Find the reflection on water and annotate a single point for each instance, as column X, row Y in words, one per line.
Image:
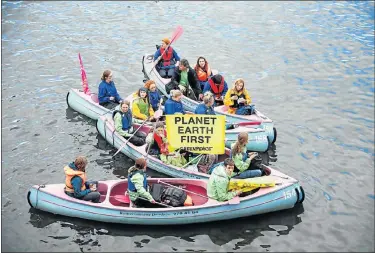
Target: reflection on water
column 88, row 234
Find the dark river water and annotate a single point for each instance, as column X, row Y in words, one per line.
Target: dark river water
column 309, row 66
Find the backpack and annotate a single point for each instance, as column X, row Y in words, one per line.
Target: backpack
column 173, row 196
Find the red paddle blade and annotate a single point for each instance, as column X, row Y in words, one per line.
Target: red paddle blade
column 85, row 84
column 249, row 123
column 177, row 33
column 122, row 198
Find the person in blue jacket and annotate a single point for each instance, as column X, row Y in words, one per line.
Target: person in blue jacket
column 207, row 106
column 108, row 95
column 153, row 94
column 166, row 61
column 76, row 185
column 173, row 105
column 217, row 86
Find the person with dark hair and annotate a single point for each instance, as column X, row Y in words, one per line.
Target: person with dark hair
column 185, row 79
column 203, row 71
column 217, row 186
column 108, row 95
column 141, row 108
column 165, row 59
column 76, row 185
column 241, row 159
column 123, row 120
column 217, row 86
column 137, row 185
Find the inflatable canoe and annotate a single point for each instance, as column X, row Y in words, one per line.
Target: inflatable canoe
column 114, row 208
column 190, row 105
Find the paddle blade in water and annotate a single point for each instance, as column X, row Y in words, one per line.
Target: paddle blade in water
column 85, row 84
column 177, row 34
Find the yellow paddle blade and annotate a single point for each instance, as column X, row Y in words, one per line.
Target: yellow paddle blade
column 249, row 184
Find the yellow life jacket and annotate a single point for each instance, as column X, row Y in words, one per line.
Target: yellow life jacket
column 69, row 174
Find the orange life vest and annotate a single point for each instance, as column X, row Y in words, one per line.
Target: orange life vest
column 202, row 74
column 167, row 57
column 69, row 174
column 162, row 146
column 215, row 89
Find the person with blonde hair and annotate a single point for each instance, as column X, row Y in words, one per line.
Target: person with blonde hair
column 174, row 105
column 76, row 185
column 242, row 159
column 108, row 95
column 206, row 107
column 237, row 97
column 165, row 59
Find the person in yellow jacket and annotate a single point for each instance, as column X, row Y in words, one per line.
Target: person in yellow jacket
column 141, row 107
column 76, row 185
column 237, row 96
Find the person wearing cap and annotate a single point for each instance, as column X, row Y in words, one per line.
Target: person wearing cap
column 141, row 108
column 174, row 105
column 218, row 86
column 237, row 97
column 76, row 185
column 185, row 79
column 206, row 107
column 166, row 58
column 137, row 185
column 108, row 95
column 153, row 94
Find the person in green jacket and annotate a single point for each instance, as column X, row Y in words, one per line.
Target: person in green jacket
column 241, row 159
column 217, row 186
column 137, row 185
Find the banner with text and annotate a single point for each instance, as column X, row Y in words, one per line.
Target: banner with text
column 204, row 134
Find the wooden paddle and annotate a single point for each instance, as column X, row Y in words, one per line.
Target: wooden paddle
column 177, row 34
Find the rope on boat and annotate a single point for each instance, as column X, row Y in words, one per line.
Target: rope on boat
column 37, row 194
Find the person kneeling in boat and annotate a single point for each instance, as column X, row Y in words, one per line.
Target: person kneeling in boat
column 241, row 159
column 203, row 71
column 76, row 185
column 173, row 105
column 168, row 59
column 238, row 99
column 141, row 108
column 158, row 145
column 185, row 79
column 108, row 95
column 137, row 185
column 124, row 125
column 217, row 86
column 218, row 183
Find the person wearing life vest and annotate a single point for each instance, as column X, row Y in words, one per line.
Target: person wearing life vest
column 218, row 183
column 137, row 185
column 203, row 71
column 76, row 185
column 185, row 79
column 217, row 86
column 174, row 105
column 241, row 159
column 237, row 97
column 108, row 95
column 141, row 108
column 153, row 94
column 167, row 61
column 159, row 146
column 124, row 125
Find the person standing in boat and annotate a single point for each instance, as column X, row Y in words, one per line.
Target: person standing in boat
column 141, row 108
column 217, row 86
column 165, row 59
column 108, row 95
column 185, row 79
column 124, row 124
column 242, row 160
column 153, row 94
column 203, row 71
column 137, row 185
column 237, row 97
column 173, row 105
column 158, row 142
column 76, row 185
column 218, row 183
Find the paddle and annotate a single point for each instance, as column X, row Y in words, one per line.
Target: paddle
column 123, row 145
column 126, row 200
column 153, row 130
column 176, row 34
column 85, row 83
